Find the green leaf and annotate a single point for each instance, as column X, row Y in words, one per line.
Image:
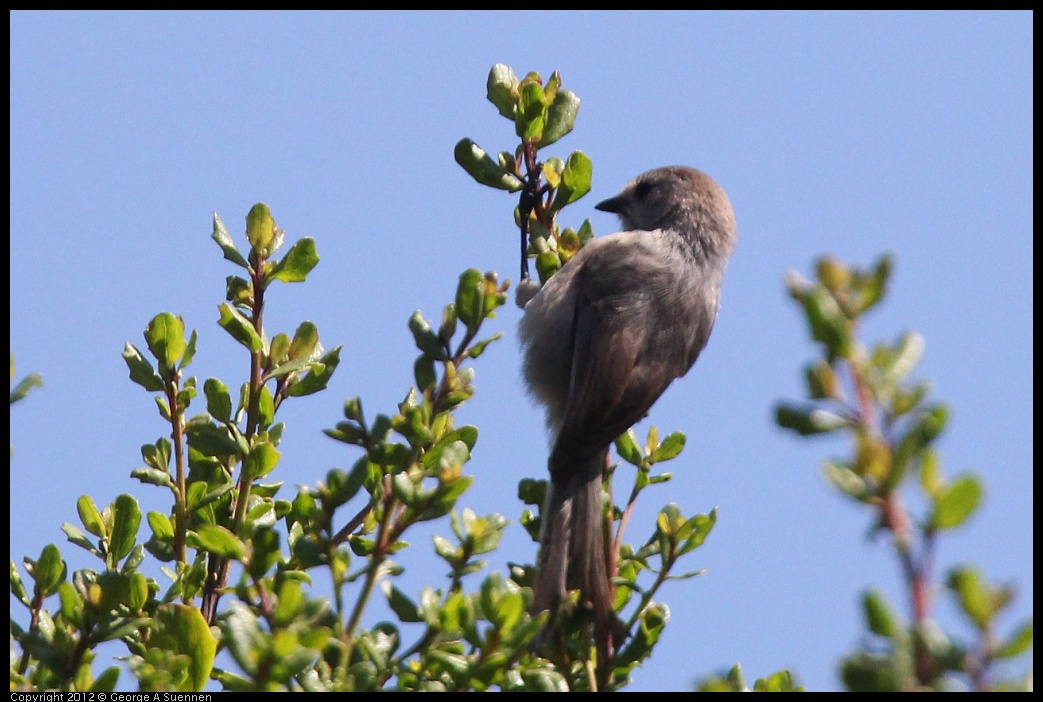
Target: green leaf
column 211, row 439
column 848, row 481
column 411, row 424
column 575, row 180
column 407, row 491
column 973, row 594
column 362, row 546
column 106, row 682
column 732, row 681
column 544, row 680
column 217, row 540
column 875, row 287
column 223, row 240
column 190, row 351
column 806, row 419
column 75, row 536
column 908, row 398
column 182, row 629
column 425, row 338
column 908, row 352
column 348, row 432
column 829, row 325
column 239, row 291
column 424, row 373
column 305, row 341
column 17, row 587
column 470, row 298
column 165, row 336
column 137, row 555
column 186, row 394
column 552, row 168
column 353, row 408
column 71, row 608
column 199, row 496
column 695, row 531
column 344, row 486
column 318, row 376
column 640, row 646
column 163, row 406
column 467, row 434
column 443, row 547
column 628, row 449
column 547, row 264
column 480, row 166
column 261, row 461
column 670, row 448
column 478, row 348
column 832, row 273
column 931, row 472
column 1017, row 643
column 90, row 516
column 126, row 516
column 244, row 638
column 289, row 367
column 279, row 349
column 530, row 118
column 152, row 476
column 260, row 227
column 447, row 496
column 929, row 425
column 955, row 502
column 670, row 520
column 160, row 524
column 48, row 571
column 405, row 608
column 561, row 117
column 531, row 491
column 781, row 681
column 239, row 327
column 552, row 86
column 493, row 295
column 141, row 371
column 508, row 611
column 569, row 243
column 448, row 328
column 297, row 263
column 290, row 600
column 822, row 381
column 25, row 385
column 453, row 456
column 880, row 618
column 501, row 89
column 218, row 401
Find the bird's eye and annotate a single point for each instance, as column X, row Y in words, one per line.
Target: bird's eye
column 642, row 190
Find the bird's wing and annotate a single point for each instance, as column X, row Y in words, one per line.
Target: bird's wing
column 618, row 371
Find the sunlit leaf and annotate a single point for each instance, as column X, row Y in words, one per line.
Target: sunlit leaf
column 226, row 243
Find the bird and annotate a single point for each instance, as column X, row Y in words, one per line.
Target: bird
column 602, row 340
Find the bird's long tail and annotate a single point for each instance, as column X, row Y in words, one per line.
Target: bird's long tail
column 574, row 555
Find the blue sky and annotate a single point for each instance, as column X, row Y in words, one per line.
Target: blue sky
column 849, row 133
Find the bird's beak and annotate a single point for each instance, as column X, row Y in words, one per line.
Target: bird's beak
column 613, row 204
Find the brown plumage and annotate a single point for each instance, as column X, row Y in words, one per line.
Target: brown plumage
column 602, row 340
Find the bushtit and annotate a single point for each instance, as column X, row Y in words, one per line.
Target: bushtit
column 602, row 340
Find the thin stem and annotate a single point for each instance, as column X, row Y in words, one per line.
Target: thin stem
column 916, row 570
column 527, row 201
column 342, row 535
column 377, row 559
column 181, row 499
column 34, row 619
column 624, row 519
column 218, row 572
